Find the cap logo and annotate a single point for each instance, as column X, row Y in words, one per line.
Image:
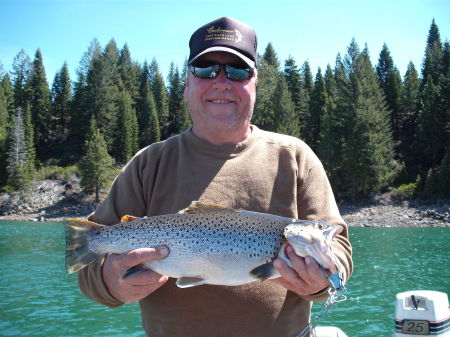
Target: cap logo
column 223, row 34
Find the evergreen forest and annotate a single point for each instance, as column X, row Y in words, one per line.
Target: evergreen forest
column 372, row 128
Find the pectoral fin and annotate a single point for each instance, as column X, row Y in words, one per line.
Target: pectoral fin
column 186, row 282
column 133, row 271
column 263, row 272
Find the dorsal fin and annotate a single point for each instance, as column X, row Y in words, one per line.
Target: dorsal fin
column 127, row 218
column 197, row 207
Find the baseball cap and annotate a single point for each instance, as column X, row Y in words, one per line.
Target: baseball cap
column 227, row 35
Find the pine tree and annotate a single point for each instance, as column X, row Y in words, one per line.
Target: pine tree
column 96, row 166
column 8, row 93
column 4, row 114
column 370, row 144
column 174, row 91
column 61, row 100
column 286, row 121
column 184, row 72
column 153, row 133
column 330, row 145
column 429, row 144
column 306, row 79
column 29, row 139
column 102, row 91
column 148, row 123
column 149, row 131
column 353, row 52
column 410, row 101
column 178, row 113
column 432, row 138
column 293, row 79
column 270, row 56
column 160, row 95
column 126, row 139
column 438, row 180
column 317, row 112
column 433, row 55
column 20, row 76
column 4, row 128
column 79, row 112
column 40, row 100
column 391, row 83
column 368, row 156
column 128, row 72
column 264, row 115
column 19, row 177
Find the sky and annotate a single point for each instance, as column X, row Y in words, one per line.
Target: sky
column 308, row 30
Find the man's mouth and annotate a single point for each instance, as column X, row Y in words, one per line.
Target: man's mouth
column 220, row 101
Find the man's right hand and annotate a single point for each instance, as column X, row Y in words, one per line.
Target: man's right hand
column 138, row 286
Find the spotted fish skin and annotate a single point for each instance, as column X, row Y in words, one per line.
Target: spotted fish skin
column 208, row 244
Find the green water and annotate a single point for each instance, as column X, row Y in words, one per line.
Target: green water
column 38, row 298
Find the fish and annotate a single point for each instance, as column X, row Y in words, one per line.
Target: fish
column 208, row 243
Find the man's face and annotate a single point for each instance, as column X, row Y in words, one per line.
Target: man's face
column 220, row 106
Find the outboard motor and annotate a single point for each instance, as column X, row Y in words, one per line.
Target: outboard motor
column 422, row 313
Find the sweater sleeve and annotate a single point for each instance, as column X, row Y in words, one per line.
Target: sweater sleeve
column 316, row 202
column 124, row 198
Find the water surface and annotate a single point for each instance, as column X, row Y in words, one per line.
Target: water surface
column 38, row 298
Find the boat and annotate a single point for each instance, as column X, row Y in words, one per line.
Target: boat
column 417, row 313
column 422, row 313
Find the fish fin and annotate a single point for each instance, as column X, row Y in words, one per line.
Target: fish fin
column 133, row 271
column 127, row 218
column 78, row 254
column 263, row 272
column 197, row 207
column 186, row 282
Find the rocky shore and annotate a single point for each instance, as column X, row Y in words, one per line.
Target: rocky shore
column 48, row 200
column 56, row 200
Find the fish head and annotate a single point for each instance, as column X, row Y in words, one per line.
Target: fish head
column 314, row 240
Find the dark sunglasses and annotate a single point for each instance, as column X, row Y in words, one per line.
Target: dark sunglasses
column 232, row 72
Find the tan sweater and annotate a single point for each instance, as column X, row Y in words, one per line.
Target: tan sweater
column 268, row 173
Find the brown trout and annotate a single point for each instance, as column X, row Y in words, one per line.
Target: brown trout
column 208, row 244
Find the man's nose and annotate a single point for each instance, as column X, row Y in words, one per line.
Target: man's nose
column 221, row 81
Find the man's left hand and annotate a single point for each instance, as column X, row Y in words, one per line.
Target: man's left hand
column 304, row 278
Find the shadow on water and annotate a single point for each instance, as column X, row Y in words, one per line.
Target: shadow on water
column 38, row 297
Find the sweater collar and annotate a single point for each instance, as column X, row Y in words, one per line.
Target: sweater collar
column 222, row 151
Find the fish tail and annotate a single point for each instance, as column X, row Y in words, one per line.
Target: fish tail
column 78, row 254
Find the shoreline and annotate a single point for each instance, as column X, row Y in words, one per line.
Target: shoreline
column 368, row 215
column 58, row 200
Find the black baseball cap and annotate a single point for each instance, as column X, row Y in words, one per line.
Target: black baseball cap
column 227, row 35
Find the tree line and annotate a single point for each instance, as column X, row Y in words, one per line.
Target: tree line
column 370, row 127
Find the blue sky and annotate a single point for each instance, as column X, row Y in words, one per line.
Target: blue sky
column 313, row 30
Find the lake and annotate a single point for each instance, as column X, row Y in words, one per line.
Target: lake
column 38, row 297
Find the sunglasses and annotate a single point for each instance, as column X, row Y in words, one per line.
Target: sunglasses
column 232, row 72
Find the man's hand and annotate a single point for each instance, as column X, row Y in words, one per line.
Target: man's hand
column 304, row 278
column 138, row 286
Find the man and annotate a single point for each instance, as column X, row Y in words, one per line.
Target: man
column 225, row 160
